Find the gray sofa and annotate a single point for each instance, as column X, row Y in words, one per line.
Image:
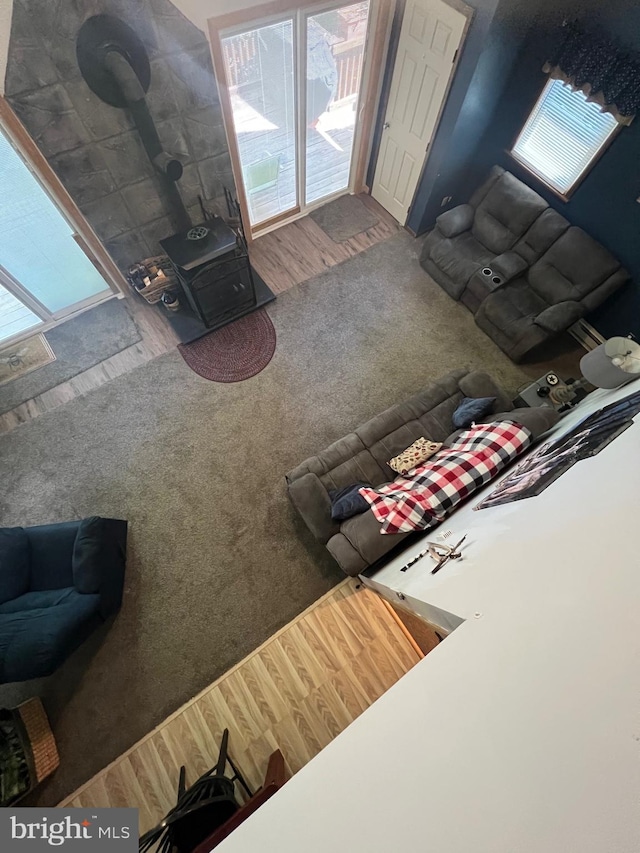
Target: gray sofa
column 362, row 456
column 520, row 267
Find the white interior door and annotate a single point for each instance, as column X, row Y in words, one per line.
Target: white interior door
column 430, row 37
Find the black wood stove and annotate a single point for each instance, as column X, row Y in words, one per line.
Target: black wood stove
column 213, row 268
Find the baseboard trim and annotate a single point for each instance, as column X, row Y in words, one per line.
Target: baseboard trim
column 586, row 335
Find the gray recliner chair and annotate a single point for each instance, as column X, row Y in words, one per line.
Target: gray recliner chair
column 572, row 278
column 470, row 236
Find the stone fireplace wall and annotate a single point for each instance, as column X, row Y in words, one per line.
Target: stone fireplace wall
column 93, row 147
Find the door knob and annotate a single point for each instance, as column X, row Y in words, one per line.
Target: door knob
column 386, row 125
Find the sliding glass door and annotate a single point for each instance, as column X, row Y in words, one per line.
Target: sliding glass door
column 260, row 66
column 294, row 86
column 44, row 272
column 15, row 317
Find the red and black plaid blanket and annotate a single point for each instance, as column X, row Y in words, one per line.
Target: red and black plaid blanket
column 420, row 499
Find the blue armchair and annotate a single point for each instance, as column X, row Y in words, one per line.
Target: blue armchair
column 58, row 583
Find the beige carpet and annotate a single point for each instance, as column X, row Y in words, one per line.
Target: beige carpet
column 217, row 559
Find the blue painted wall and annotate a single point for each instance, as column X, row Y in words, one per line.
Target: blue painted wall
column 497, row 33
column 605, row 202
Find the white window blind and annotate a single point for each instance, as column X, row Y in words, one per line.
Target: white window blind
column 562, row 136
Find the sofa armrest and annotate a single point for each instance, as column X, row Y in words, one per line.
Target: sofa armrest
column 456, row 220
column 312, row 501
column 594, row 299
column 537, row 419
column 559, row 317
column 480, row 384
column 508, row 265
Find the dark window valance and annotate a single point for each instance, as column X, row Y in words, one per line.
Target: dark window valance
column 600, row 68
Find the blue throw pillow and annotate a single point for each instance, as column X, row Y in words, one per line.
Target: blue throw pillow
column 347, row 502
column 14, row 563
column 471, row 409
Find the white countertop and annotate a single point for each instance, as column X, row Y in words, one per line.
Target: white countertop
column 520, row 733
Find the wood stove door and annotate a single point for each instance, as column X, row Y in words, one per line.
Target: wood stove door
column 222, row 290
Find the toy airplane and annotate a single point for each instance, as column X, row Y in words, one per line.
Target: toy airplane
column 438, row 552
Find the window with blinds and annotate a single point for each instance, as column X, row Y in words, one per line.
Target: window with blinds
column 562, row 136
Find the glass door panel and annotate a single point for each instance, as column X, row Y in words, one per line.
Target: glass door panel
column 36, row 242
column 334, row 59
column 259, row 64
column 15, row 317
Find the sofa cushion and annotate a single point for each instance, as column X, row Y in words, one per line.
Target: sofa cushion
column 51, row 550
column 14, row 563
column 414, row 455
column 513, row 303
column 38, row 600
column 573, row 266
column 33, row 643
column 506, row 212
column 459, row 257
column 347, row 502
column 471, row 409
column 363, row 532
column 544, row 231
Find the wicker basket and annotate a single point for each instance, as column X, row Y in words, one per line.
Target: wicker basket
column 167, row 281
column 41, row 741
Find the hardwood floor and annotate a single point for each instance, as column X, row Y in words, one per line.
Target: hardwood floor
column 284, row 258
column 296, row 693
column 301, row 250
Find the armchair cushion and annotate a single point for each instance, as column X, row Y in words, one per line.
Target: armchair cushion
column 557, row 318
column 51, row 547
column 33, row 643
column 37, row 600
column 14, row 563
column 455, row 221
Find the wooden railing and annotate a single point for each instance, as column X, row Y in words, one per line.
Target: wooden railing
column 240, row 53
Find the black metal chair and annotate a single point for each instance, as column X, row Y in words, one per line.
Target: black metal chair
column 206, row 805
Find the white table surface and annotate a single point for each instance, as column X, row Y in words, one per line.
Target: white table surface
column 520, row 733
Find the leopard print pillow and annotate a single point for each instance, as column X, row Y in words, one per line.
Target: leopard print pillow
column 421, row 450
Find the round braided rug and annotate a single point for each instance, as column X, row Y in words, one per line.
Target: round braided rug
column 235, row 352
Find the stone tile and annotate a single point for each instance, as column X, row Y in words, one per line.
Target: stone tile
column 175, row 31
column 127, row 249
column 215, row 175
column 194, row 83
column 137, row 15
column 28, row 63
column 51, row 120
column 126, row 158
column 205, row 132
column 84, row 173
column 145, row 200
column 190, row 186
column 108, row 216
column 60, row 36
column 100, row 119
column 174, row 139
column 42, row 14
column 160, row 97
column 156, row 231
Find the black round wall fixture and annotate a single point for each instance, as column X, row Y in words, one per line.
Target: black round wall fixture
column 96, row 38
